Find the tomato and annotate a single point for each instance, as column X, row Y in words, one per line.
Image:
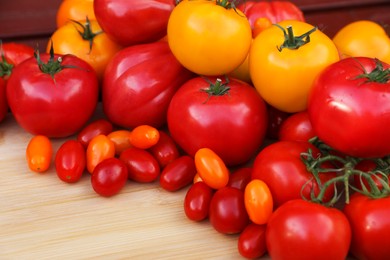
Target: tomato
column 297, row 127
column 211, row 168
column 301, row 229
column 39, row 152
column 280, row 166
column 227, row 211
column 363, row 38
column 70, row 161
column 251, row 242
column 165, row 150
column 370, row 226
column 109, row 177
column 141, row 21
column 275, row 120
column 228, row 117
column 178, row 174
column 86, row 40
column 75, row 10
column 121, row 140
column 52, row 95
column 240, row 178
column 209, row 37
column 258, row 201
column 197, row 201
column 139, row 83
column 92, row 129
column 283, row 67
column 144, row 136
column 354, row 95
column 99, row 148
column 141, row 165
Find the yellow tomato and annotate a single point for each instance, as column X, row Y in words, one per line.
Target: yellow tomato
column 87, row 41
column 363, row 38
column 208, row 38
column 76, row 10
column 283, row 72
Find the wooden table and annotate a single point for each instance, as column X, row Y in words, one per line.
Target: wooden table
column 42, row 217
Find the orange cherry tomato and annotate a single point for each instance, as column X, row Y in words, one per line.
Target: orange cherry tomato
column 197, row 178
column 74, row 10
column 99, row 149
column 121, row 140
column 39, row 152
column 144, row 136
column 258, row 201
column 211, row 168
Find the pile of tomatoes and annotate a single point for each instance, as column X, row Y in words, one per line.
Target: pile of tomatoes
column 279, row 132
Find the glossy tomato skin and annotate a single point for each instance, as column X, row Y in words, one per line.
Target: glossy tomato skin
column 92, row 129
column 227, row 211
column 70, row 161
column 370, row 224
column 139, row 83
column 240, row 178
column 55, row 107
column 302, row 229
column 297, row 127
column 109, row 177
column 147, row 19
column 233, row 125
column 197, row 201
column 251, row 242
column 359, row 110
column 166, row 150
column 280, row 166
column 75, row 10
column 178, row 173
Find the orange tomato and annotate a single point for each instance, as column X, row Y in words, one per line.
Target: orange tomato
column 258, row 201
column 211, row 168
column 74, row 10
column 39, row 152
column 121, row 140
column 99, row 148
column 197, row 178
column 144, row 136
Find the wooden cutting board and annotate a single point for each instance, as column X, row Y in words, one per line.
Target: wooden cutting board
column 42, row 217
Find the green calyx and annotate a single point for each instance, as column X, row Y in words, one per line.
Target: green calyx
column 53, row 66
column 378, row 74
column 5, row 67
column 217, row 88
column 86, row 31
column 291, row 41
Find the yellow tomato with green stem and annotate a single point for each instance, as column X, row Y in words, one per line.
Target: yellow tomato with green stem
column 209, row 37
column 363, row 38
column 285, row 59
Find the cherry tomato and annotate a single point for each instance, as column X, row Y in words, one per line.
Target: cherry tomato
column 70, row 161
column 251, row 242
column 258, row 201
column 240, row 178
column 144, row 136
column 197, row 201
column 211, row 168
column 75, row 10
column 109, row 177
column 97, row 127
column 178, row 174
column 39, row 153
column 227, row 211
column 165, row 150
column 121, row 140
column 297, row 127
column 141, row 165
column 99, row 148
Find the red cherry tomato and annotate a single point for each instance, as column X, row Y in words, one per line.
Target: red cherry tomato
column 70, row 161
column 240, row 178
column 166, row 150
column 296, row 127
column 109, row 177
column 178, row 174
column 97, row 127
column 251, row 242
column 197, row 201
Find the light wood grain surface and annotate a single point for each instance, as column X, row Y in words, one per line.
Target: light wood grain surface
column 42, row 217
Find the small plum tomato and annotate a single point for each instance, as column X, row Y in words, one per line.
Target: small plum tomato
column 70, row 161
column 144, row 136
column 39, row 153
column 99, row 148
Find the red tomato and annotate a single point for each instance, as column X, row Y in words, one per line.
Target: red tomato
column 197, row 201
column 370, row 224
column 230, row 118
column 109, row 177
column 240, row 178
column 147, row 19
column 70, row 161
column 53, row 95
column 166, row 150
column 139, row 83
column 251, row 242
column 297, row 127
column 227, row 211
column 39, row 152
column 141, row 165
column 280, row 166
column 258, row 201
column 301, row 229
column 99, row 148
column 178, row 174
column 95, row 128
column 349, row 107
